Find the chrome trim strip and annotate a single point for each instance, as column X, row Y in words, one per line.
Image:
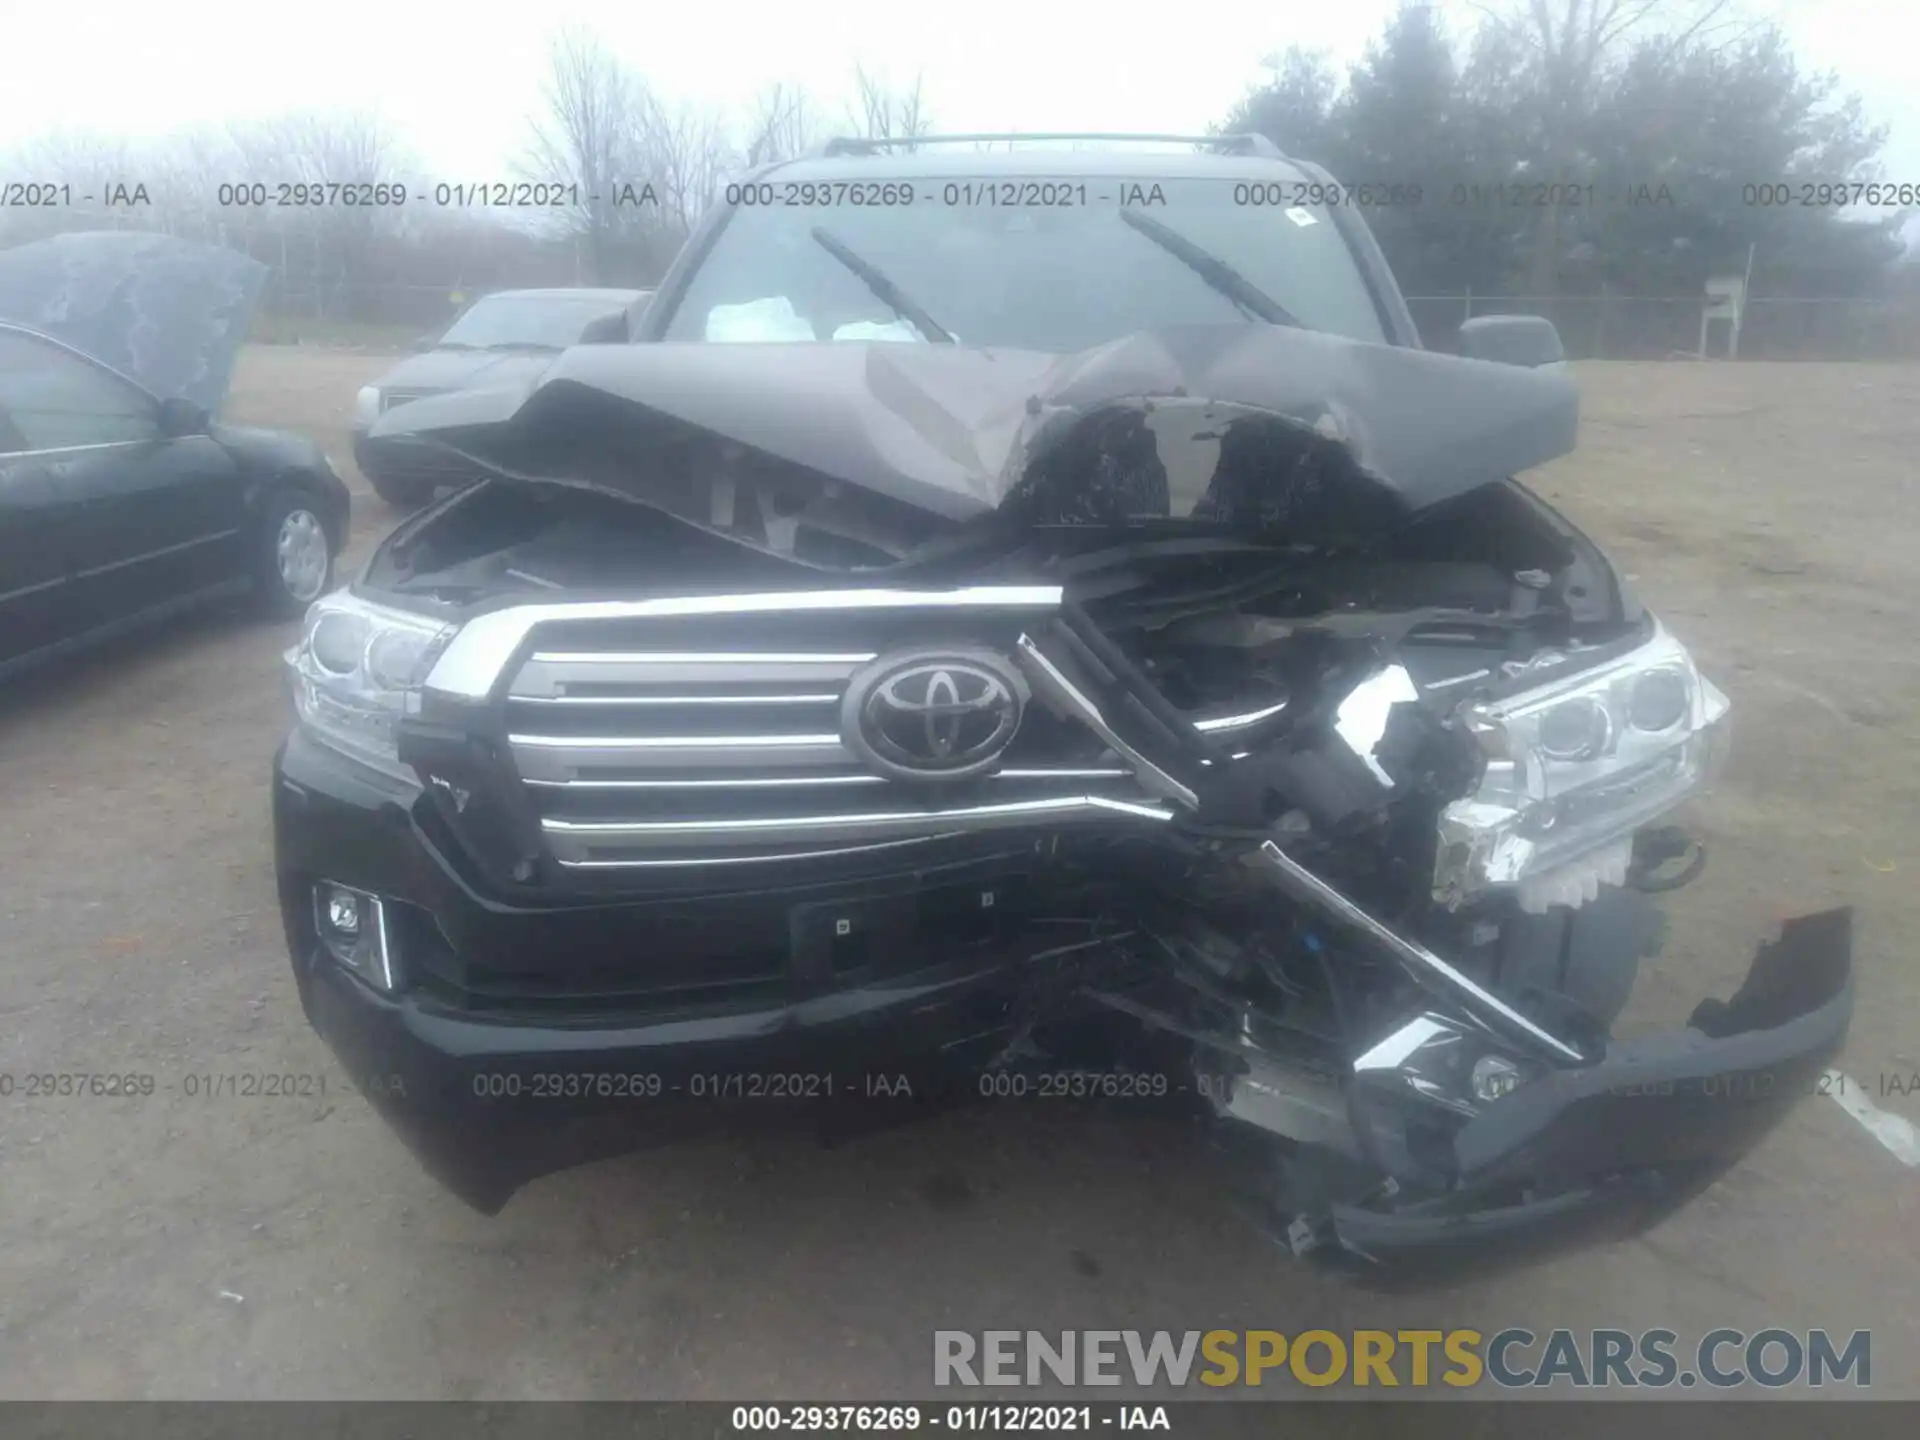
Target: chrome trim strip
column 780, row 782
column 155, row 554
column 80, row 449
column 1237, row 722
column 1450, row 681
column 800, row 828
column 707, row 860
column 673, row 742
column 1113, row 772
column 1046, row 677
column 588, row 757
column 788, row 781
column 1303, row 884
column 667, row 657
column 470, row 666
column 34, row 589
column 544, row 676
column 675, row 699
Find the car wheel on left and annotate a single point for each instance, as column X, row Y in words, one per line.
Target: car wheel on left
column 295, row 559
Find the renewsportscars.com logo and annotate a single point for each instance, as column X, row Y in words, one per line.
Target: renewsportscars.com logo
column 1511, row 1358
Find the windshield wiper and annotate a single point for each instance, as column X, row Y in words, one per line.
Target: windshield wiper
column 520, row 345
column 1212, row 269
column 876, row 280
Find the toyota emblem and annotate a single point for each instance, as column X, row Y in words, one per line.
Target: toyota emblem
column 933, row 714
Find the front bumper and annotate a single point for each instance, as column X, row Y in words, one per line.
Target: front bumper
column 1604, row 1150
column 501, row 1083
column 492, row 1091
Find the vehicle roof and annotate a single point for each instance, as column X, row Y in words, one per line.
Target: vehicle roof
column 568, row 292
column 1110, row 161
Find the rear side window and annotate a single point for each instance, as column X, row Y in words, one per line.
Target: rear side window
column 53, row 400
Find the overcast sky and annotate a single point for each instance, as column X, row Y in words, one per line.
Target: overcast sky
column 457, row 81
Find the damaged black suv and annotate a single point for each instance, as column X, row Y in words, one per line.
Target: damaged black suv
column 1021, row 611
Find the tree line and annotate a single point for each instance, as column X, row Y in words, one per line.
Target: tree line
column 1574, row 146
column 1559, row 146
column 607, row 187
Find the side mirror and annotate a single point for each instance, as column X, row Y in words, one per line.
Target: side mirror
column 610, row 329
column 182, row 417
column 1512, row 340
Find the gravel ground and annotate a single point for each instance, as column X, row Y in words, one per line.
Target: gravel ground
column 277, row 1248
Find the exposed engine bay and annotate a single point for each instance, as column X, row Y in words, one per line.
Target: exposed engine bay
column 1367, row 776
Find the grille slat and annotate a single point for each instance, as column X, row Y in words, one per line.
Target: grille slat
column 572, row 839
column 546, row 676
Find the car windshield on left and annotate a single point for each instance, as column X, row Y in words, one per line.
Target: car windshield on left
column 51, row 399
column 547, row 322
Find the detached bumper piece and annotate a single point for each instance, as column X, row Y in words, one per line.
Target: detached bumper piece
column 1602, row 1150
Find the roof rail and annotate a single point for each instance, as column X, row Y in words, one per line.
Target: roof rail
column 868, row 145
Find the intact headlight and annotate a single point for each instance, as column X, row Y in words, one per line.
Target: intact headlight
column 357, row 669
column 366, row 405
column 1574, row 767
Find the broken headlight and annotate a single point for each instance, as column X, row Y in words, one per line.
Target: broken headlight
column 357, row 670
column 1573, row 768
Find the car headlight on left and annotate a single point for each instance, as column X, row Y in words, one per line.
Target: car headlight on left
column 366, row 406
column 357, row 669
column 1573, row 768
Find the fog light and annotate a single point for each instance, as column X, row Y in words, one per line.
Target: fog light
column 1495, row 1076
column 343, row 911
column 352, row 925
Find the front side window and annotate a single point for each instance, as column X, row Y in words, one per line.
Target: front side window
column 51, row 399
column 1057, row 278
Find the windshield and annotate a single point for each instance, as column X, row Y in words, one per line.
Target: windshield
column 1052, row 277
column 550, row 322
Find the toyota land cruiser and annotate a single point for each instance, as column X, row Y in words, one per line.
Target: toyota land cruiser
column 1030, row 607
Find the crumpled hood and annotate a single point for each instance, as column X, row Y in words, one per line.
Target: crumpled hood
column 169, row 314
column 954, row 430
column 454, row 369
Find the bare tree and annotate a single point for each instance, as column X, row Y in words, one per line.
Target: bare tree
column 591, row 136
column 90, row 167
column 780, row 124
column 880, row 113
column 1564, row 50
column 324, row 245
column 686, row 155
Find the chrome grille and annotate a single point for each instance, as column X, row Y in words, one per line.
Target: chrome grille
column 675, row 740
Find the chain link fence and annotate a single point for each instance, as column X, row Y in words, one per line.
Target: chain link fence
column 1638, row 327
column 300, row 305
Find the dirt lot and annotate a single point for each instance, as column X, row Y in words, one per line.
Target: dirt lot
column 291, row 1248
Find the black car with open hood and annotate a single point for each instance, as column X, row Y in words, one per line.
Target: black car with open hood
column 123, row 498
column 922, row 658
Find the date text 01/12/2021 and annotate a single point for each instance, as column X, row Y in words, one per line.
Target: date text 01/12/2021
column 492, row 194
column 700, row 1085
column 907, row 1419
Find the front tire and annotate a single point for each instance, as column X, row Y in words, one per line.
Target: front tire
column 293, row 559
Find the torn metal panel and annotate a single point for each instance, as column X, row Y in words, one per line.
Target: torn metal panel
column 956, row 432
